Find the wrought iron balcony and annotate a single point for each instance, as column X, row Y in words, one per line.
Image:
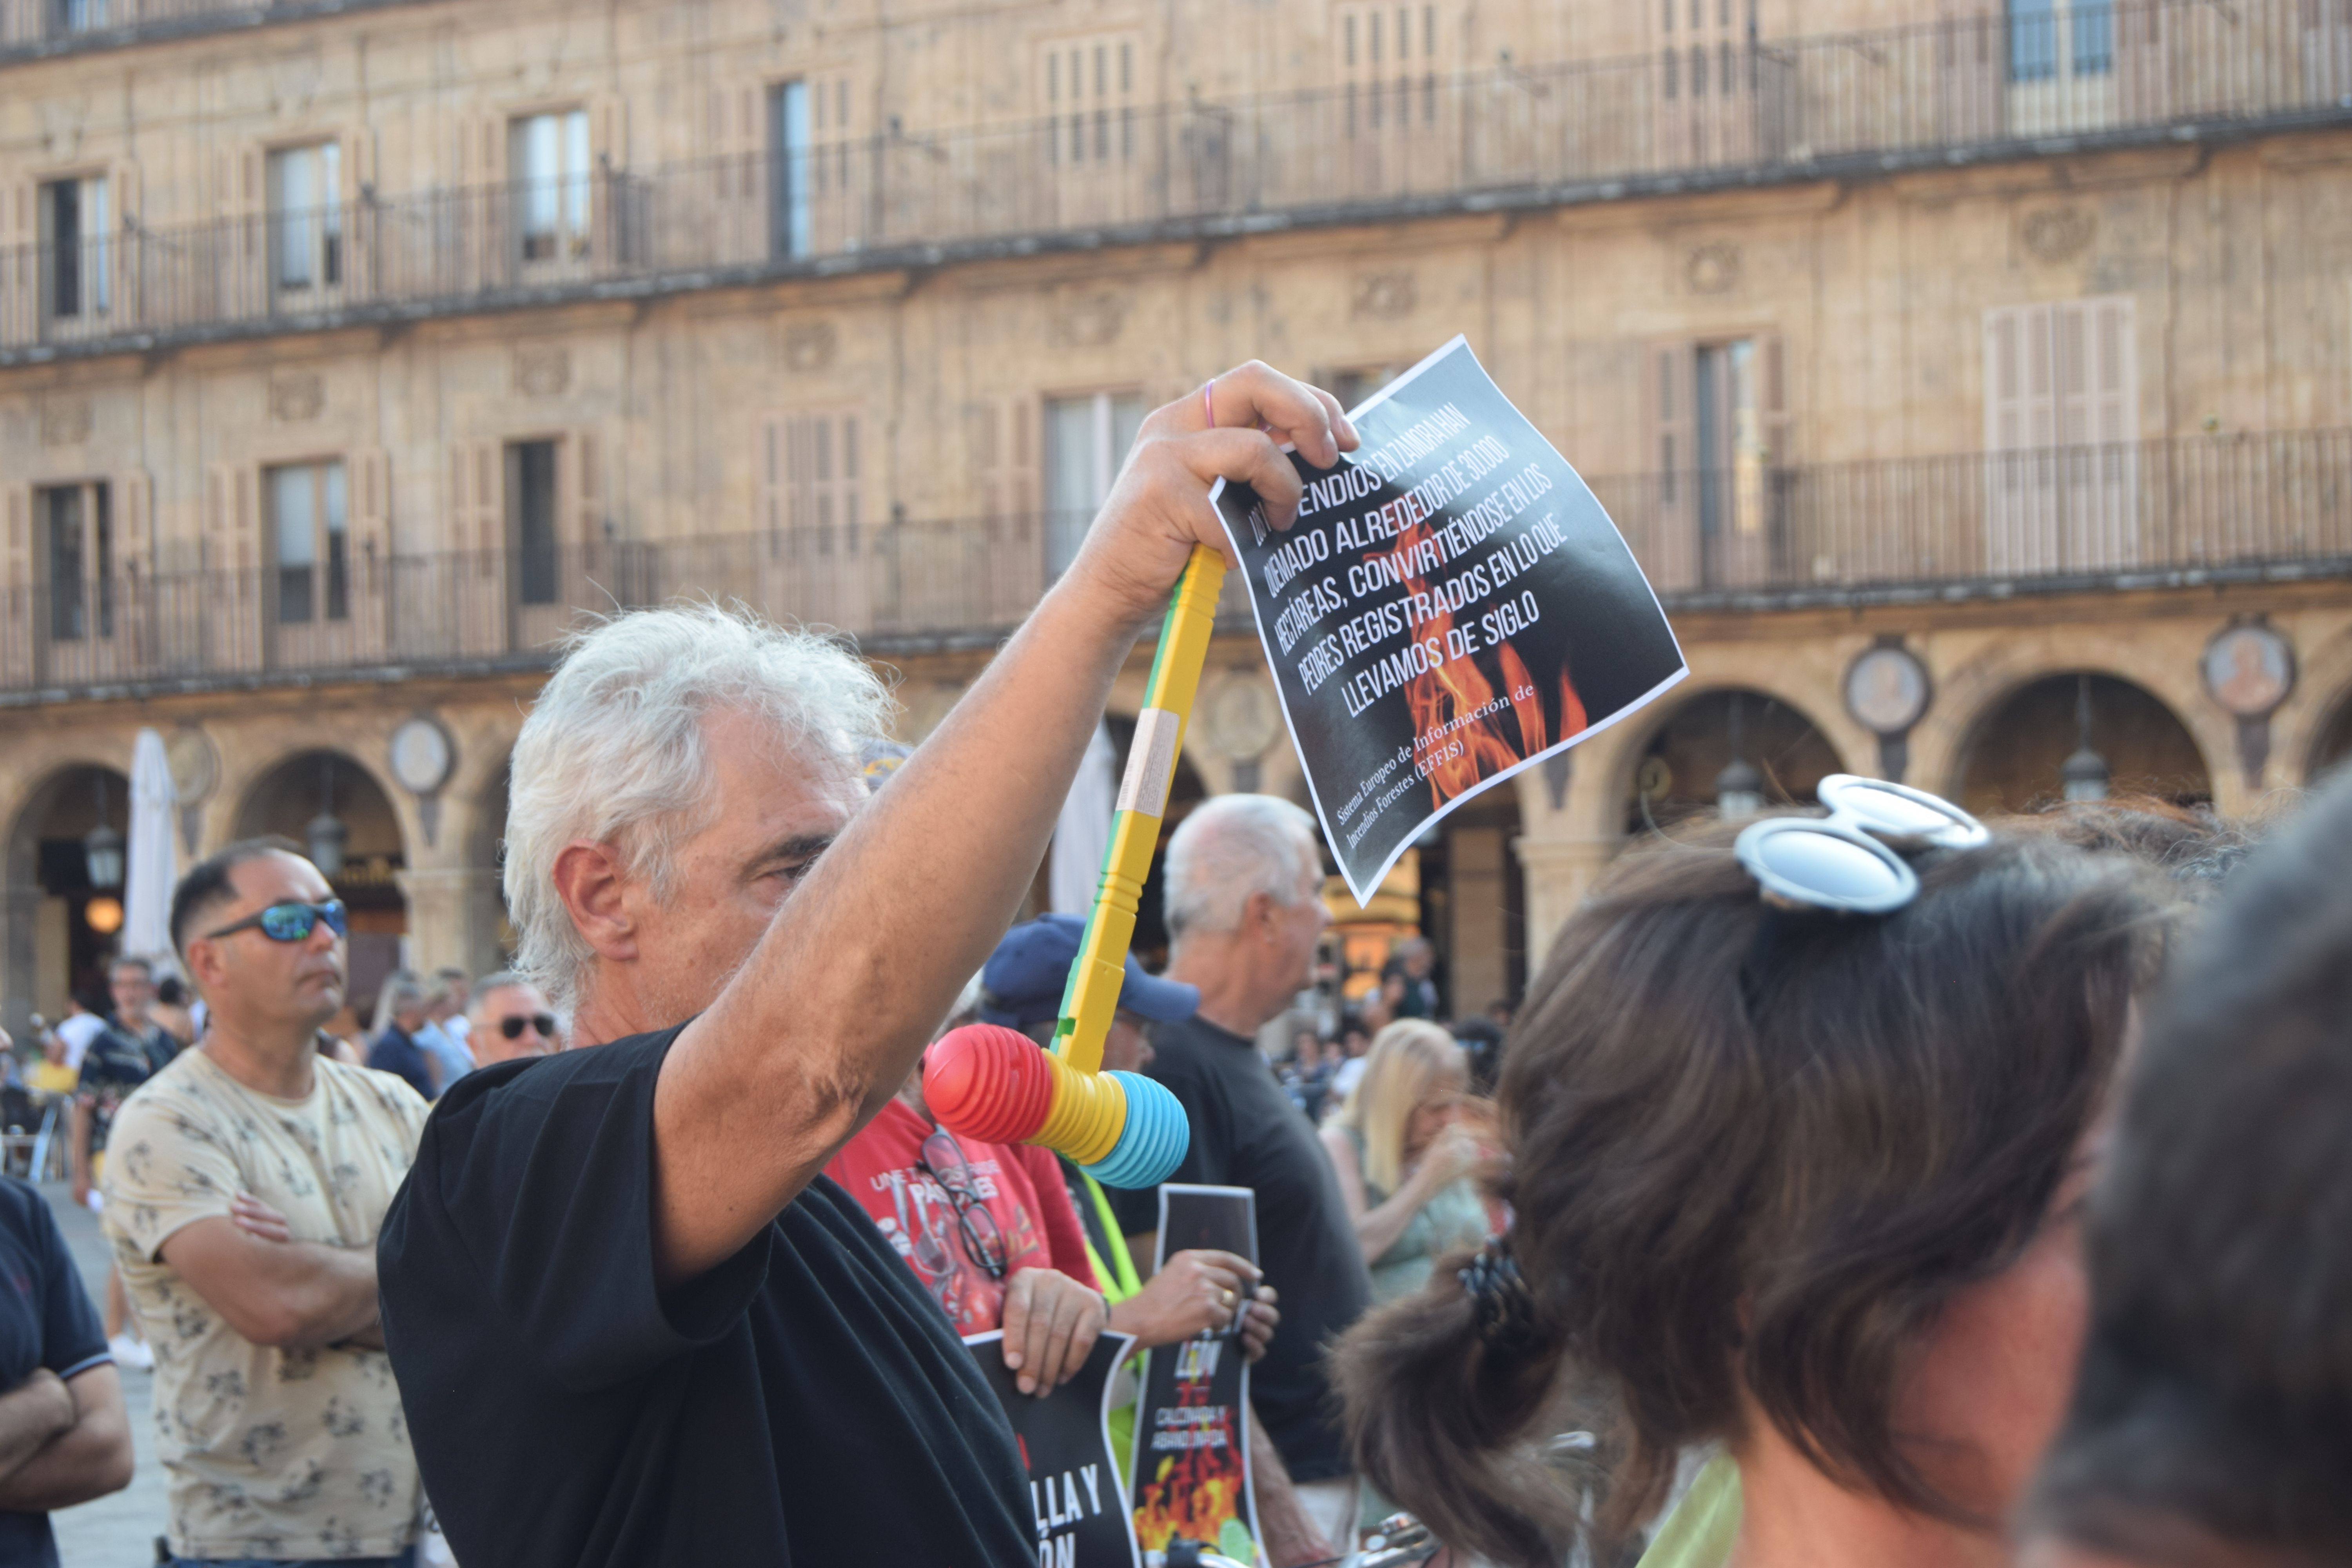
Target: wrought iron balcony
column 36, row 29
column 1509, row 138
column 2195, row 510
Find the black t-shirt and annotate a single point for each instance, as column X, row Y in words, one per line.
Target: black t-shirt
column 805, row 1402
column 1247, row 1133
column 46, row 1320
column 117, row 1062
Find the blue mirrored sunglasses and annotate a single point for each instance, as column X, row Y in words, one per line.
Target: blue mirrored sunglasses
column 289, row 922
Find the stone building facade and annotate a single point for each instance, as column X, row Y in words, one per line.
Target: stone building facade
column 1975, row 381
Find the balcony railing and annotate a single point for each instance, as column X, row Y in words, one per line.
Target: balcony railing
column 1415, row 143
column 2193, row 509
column 30, row 29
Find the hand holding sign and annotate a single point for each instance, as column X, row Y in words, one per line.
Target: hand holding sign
column 1157, row 510
column 1449, row 605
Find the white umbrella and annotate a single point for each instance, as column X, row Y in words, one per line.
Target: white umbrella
column 1082, row 833
column 154, row 856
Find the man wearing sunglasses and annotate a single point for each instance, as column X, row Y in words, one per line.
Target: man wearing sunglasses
column 245, row 1187
column 618, row 1283
column 509, row 1019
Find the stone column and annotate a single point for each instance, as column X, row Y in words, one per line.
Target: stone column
column 20, row 911
column 453, row 918
column 1560, row 872
column 1475, row 868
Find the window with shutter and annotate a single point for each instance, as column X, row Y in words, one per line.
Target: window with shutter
column 815, row 167
column 2061, row 431
column 1664, row 527
column 1715, row 92
column 2062, row 65
column 1086, row 438
column 1089, row 93
column 814, row 552
column 306, row 237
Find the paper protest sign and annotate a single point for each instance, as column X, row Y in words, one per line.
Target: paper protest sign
column 1066, row 1442
column 1451, row 605
column 1191, row 1434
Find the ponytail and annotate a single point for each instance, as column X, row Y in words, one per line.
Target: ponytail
column 1436, row 1401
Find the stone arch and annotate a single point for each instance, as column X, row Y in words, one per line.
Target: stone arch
column 283, row 797
column 1968, row 692
column 2331, row 738
column 2010, row 752
column 1691, row 742
column 51, row 946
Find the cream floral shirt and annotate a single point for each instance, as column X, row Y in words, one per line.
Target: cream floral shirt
column 269, row 1453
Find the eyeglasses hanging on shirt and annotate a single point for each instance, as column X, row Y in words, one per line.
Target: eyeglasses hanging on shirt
column 984, row 1239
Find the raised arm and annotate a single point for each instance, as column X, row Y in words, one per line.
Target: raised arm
column 288, row 1294
column 89, row 1458
column 825, row 1019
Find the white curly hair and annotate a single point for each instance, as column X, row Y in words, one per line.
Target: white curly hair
column 614, row 749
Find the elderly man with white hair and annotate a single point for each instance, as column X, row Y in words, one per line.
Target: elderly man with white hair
column 632, row 1322
column 1243, row 882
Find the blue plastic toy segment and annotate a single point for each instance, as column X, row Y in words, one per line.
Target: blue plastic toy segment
column 1153, row 1141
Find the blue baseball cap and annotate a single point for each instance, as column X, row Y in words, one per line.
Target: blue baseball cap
column 1023, row 981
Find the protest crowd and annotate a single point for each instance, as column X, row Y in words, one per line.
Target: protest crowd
column 2005, row 1221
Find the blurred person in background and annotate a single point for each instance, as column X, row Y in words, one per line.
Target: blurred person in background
column 249, row 1179
column 445, row 1003
column 172, row 1013
column 119, row 1057
column 400, row 1017
column 52, row 1075
column 1307, row 1078
column 459, row 1022
column 1244, row 880
column 1482, row 1049
column 2212, row 1423
column 131, row 985
column 1356, row 1031
column 1801, row 1184
column 1406, row 982
column 511, row 1019
column 82, row 1024
column 1405, row 1156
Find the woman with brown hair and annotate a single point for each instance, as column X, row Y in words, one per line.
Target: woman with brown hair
column 1404, row 1156
column 1797, row 1137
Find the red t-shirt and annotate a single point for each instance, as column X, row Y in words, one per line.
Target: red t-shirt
column 1019, row 1183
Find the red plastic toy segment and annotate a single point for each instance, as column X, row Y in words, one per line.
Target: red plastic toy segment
column 987, row 1083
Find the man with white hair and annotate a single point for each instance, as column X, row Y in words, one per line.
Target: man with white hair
column 632, row 1321
column 1243, row 882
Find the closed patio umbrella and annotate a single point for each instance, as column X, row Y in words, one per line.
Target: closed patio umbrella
column 153, row 855
column 1082, row 833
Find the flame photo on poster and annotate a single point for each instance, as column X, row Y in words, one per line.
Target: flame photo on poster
column 1451, row 605
column 1191, row 1432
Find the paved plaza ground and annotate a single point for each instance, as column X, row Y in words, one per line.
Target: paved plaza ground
column 117, row 1532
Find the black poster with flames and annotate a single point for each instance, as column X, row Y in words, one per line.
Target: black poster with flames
column 1191, row 1471
column 1065, row 1440
column 1451, row 605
